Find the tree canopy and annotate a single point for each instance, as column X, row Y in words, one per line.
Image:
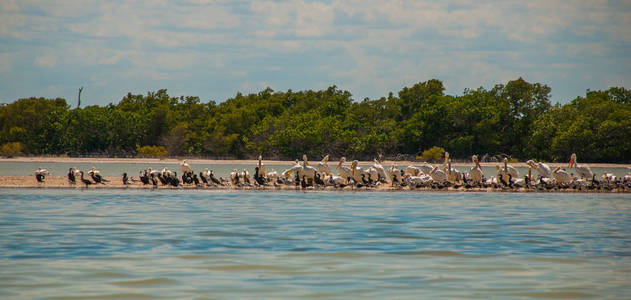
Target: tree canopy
column 515, row 118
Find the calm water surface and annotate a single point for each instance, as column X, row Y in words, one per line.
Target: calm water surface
column 121, row 244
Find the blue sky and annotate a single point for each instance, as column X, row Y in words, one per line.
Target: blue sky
column 214, row 49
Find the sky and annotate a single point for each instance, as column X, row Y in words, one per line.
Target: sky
column 213, row 48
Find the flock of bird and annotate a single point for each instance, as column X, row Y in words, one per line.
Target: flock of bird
column 304, row 175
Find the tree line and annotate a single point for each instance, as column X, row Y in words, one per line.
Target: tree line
column 515, row 118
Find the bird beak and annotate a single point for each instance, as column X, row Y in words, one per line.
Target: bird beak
column 569, row 165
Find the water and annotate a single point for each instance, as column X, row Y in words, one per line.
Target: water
column 96, row 244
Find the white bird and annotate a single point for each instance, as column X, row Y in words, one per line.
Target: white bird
column 381, row 171
column 412, row 170
column 357, row 171
column 395, row 174
column 561, row 176
column 476, row 171
column 438, row 175
column 542, row 169
column 422, row 179
column 335, row 180
column 185, row 167
column 453, row 175
column 510, row 169
column 307, row 171
column 272, row 175
column 426, row 168
column 323, row 166
column 584, row 171
column 342, row 170
column 627, row 178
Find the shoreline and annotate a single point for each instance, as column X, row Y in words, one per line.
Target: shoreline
column 115, row 183
column 192, row 161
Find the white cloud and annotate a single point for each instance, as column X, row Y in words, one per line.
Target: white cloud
column 49, row 60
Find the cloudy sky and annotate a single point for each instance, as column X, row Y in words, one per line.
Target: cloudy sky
column 214, row 49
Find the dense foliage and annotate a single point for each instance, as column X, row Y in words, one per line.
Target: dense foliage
column 515, row 118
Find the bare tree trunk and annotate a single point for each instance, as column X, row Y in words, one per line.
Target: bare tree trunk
column 79, row 100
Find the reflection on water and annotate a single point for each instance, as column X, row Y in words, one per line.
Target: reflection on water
column 65, row 244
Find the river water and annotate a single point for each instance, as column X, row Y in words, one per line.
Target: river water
column 134, row 244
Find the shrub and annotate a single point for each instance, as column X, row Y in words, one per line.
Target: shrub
column 433, row 154
column 151, row 151
column 11, row 149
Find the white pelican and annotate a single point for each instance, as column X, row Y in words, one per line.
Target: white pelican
column 307, row 171
column 323, row 166
column 542, row 169
column 272, row 175
column 335, row 180
column 426, row 168
column 583, row 171
column 476, row 171
column 502, row 174
column 185, row 167
column 412, row 170
column 381, row 172
column 342, row 170
column 438, row 175
column 357, row 171
column 415, row 181
column 395, row 174
column 510, row 169
column 453, row 175
column 561, row 176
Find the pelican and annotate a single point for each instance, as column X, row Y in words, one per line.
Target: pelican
column 395, row 174
column 381, row 172
column 476, row 171
column 453, row 175
column 185, row 167
column 344, row 171
column 510, row 169
column 561, row 176
column 583, row 171
column 412, row 170
column 234, row 176
column 357, row 172
column 426, row 168
column 323, row 166
column 438, row 175
column 307, row 170
column 627, row 178
column 543, row 169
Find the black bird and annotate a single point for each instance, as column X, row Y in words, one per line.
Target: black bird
column 154, row 181
column 318, row 180
column 125, row 179
column 71, row 177
column 214, row 179
column 258, row 178
column 203, row 178
column 144, row 178
column 303, row 182
column 96, row 177
column 85, row 181
column 195, row 180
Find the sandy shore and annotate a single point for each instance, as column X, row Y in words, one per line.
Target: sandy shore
column 193, row 161
column 116, row 183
